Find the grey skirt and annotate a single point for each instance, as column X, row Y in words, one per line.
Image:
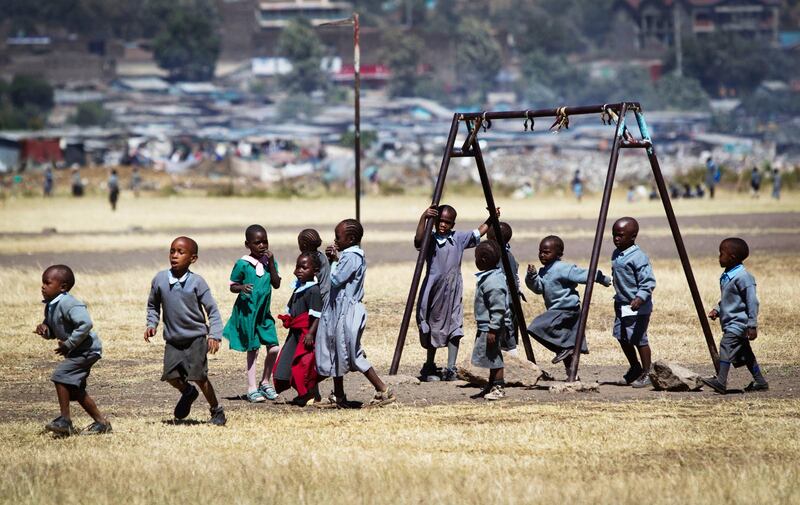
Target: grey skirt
column 556, row 329
column 74, row 370
column 486, row 356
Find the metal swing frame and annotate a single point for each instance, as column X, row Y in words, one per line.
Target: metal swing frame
column 623, row 139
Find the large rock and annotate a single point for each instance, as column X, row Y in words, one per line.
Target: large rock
column 575, row 387
column 668, row 376
column 518, row 372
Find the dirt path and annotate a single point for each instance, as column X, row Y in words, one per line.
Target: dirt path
column 660, row 247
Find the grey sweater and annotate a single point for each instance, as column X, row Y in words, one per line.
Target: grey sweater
column 68, row 320
column 183, row 302
column 491, row 301
column 633, row 277
column 738, row 305
column 557, row 283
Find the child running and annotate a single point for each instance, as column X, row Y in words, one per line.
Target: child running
column 440, row 314
column 633, row 303
column 67, row 320
column 338, row 344
column 737, row 311
column 184, row 301
column 557, row 327
column 251, row 324
column 309, row 241
column 491, row 315
column 296, row 366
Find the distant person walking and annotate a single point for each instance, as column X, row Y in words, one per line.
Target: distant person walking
column 713, row 175
column 48, row 182
column 577, row 185
column 77, row 183
column 776, row 184
column 136, row 181
column 755, row 182
column 113, row 189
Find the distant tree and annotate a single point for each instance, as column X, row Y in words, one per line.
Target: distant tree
column 402, row 53
column 549, row 80
column 31, row 91
column 188, row 44
column 91, row 114
column 679, row 93
column 478, row 59
column 301, row 45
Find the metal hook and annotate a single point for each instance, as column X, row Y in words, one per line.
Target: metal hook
column 487, row 123
column 605, row 117
column 562, row 120
column 528, row 118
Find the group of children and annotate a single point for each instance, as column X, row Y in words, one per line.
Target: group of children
column 440, row 311
column 325, row 316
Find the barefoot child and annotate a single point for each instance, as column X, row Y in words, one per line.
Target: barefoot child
column 491, row 315
column 440, row 314
column 251, row 324
column 67, row 320
column 338, row 343
column 183, row 300
column 633, row 303
column 737, row 311
column 308, row 241
column 556, row 281
column 296, row 366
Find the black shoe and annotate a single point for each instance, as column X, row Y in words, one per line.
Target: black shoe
column 61, row 426
column 757, row 386
column 562, row 355
column 218, row 416
column 632, row 374
column 429, row 373
column 450, row 374
column 714, row 384
column 184, row 405
column 97, row 429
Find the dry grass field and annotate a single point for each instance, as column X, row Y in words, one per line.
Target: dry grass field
column 436, row 444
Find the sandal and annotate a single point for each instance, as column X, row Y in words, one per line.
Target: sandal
column 268, row 392
column 255, row 397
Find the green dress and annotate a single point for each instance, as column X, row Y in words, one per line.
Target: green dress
column 251, row 325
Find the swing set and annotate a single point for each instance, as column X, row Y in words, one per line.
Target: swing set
column 623, row 139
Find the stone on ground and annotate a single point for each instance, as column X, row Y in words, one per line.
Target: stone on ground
column 668, row 376
column 396, row 380
column 575, row 387
column 519, row 372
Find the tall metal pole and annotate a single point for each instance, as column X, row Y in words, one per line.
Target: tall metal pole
column 357, row 84
column 423, row 249
column 494, row 222
column 598, row 243
column 676, row 235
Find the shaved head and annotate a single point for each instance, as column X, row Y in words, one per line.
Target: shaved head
column 191, row 245
column 62, row 273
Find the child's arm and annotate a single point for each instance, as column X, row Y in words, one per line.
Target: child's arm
column 581, row 275
column 533, row 281
column 751, row 305
column 483, row 228
column 44, row 331
column 314, row 313
column 274, row 278
column 237, row 276
column 343, row 270
column 82, row 325
column 645, row 282
column 206, row 299
column 431, row 212
column 153, row 311
column 496, row 303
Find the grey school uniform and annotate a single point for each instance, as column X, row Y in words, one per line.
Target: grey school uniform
column 633, row 277
column 324, row 277
column 440, row 313
column 738, row 310
column 511, row 326
column 305, row 298
column 557, row 327
column 491, row 314
column 185, row 304
column 338, row 346
column 68, row 321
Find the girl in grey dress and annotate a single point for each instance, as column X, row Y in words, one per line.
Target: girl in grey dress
column 338, row 344
column 557, row 281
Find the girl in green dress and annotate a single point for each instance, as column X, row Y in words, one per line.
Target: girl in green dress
column 251, row 325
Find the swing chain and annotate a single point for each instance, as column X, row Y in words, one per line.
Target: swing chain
column 487, row 123
column 562, row 120
column 528, row 118
column 605, row 115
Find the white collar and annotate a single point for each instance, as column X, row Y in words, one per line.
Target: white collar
column 56, row 299
column 629, row 250
column 442, row 239
column 354, row 249
column 174, row 280
column 299, row 288
column 256, row 263
column 485, row 273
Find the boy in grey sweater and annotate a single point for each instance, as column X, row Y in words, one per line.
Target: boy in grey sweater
column 491, row 315
column 67, row 320
column 633, row 303
column 185, row 300
column 737, row 311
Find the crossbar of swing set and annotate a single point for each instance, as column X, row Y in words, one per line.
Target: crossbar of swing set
column 622, row 140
